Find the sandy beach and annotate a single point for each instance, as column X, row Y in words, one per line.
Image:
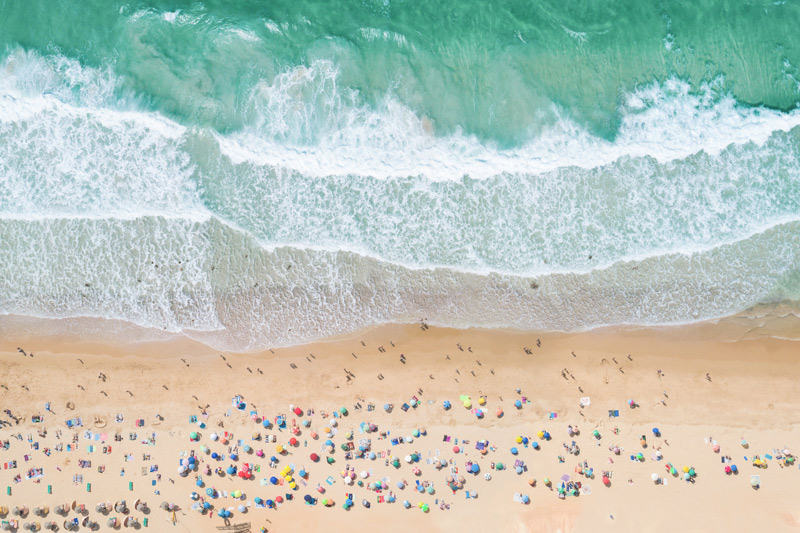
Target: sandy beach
column 698, row 391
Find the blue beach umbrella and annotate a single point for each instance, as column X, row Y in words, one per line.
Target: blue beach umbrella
column 525, row 440
column 518, row 404
column 273, row 480
column 519, row 470
column 231, row 470
column 514, row 451
column 446, row 404
column 475, row 468
column 525, row 499
column 535, row 445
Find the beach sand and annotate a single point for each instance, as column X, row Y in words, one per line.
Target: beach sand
column 752, row 394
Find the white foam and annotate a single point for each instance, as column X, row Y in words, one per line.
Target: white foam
column 304, row 104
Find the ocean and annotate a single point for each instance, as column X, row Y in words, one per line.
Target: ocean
column 258, row 174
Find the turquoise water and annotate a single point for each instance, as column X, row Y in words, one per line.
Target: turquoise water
column 257, row 174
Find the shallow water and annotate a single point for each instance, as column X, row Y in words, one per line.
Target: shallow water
column 264, row 175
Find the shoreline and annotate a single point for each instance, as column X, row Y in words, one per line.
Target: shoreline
column 752, row 394
column 780, row 320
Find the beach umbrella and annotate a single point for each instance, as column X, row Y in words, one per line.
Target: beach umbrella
column 343, row 411
column 396, row 463
column 420, row 488
column 654, row 477
column 298, row 411
column 467, row 403
column 112, row 522
column 540, row 434
column 446, row 404
column 514, row 451
column 231, row 470
column 686, row 476
column 425, row 508
column 193, row 435
column 234, row 457
column 734, row 469
column 372, row 455
column 525, row 499
column 475, row 468
column 241, row 508
column 481, row 401
column 214, row 436
column 596, row 434
column 727, row 469
column 279, row 448
column 755, row 481
column 293, row 441
column 415, row 433
column 692, row 472
column 519, row 440
column 518, row 404
column 364, row 474
column 686, row 469
column 535, row 445
column 716, row 448
column 400, row 485
column 656, row 432
column 479, row 414
column 518, row 470
column 606, row 481
column 499, row 466
column 406, row 504
column 499, row 413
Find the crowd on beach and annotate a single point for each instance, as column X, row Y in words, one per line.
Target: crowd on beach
column 249, row 463
column 238, row 463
